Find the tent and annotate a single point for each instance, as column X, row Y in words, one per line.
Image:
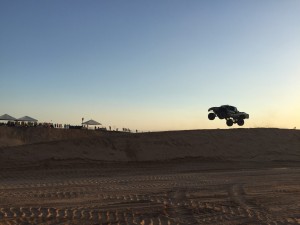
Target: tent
column 26, row 119
column 7, row 117
column 91, row 122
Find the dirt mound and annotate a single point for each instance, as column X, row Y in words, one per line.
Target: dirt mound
column 20, row 146
column 13, row 136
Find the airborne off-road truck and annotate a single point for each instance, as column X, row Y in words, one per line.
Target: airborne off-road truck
column 229, row 113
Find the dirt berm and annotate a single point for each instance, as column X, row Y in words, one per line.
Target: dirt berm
column 19, row 146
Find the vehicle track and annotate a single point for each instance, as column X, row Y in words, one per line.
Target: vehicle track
column 150, row 197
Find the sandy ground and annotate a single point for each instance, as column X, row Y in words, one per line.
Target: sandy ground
column 181, row 192
column 185, row 177
column 40, row 145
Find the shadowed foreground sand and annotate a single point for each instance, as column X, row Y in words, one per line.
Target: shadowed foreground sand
column 68, row 177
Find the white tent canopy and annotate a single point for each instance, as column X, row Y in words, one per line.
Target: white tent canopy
column 91, row 122
column 7, row 117
column 27, row 119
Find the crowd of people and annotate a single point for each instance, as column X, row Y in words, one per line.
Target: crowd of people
column 29, row 124
column 61, row 126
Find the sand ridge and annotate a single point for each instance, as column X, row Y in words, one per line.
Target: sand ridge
column 34, row 145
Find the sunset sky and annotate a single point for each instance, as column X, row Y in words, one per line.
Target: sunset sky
column 151, row 65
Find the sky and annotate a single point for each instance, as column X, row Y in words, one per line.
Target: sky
column 151, row 65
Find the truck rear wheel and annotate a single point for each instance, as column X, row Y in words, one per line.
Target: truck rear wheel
column 211, row 116
column 229, row 122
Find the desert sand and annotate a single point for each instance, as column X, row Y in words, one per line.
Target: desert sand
column 231, row 176
column 36, row 145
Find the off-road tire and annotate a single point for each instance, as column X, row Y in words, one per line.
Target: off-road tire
column 211, row 116
column 240, row 122
column 229, row 122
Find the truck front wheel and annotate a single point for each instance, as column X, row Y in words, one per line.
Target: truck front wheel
column 240, row 122
column 229, row 122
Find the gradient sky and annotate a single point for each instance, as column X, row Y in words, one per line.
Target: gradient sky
column 151, row 65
